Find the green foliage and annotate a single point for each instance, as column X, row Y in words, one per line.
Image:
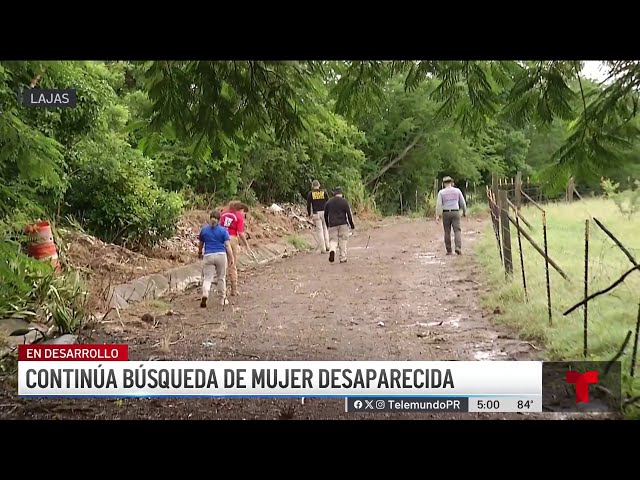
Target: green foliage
column 430, row 205
column 408, row 148
column 627, row 201
column 504, row 150
column 30, row 290
column 261, row 131
column 478, row 208
column 116, row 198
column 328, row 150
column 216, row 103
column 299, row 242
column 78, row 160
column 609, row 187
column 535, row 93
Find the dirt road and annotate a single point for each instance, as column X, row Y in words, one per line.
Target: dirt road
column 400, row 298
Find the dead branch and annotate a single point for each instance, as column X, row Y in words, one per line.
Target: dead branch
column 619, row 354
column 107, row 314
column 602, row 292
column 384, row 169
column 532, row 200
column 577, row 194
column 517, row 210
column 631, row 400
column 617, row 242
column 531, row 345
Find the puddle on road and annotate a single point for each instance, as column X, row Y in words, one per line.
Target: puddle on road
column 489, row 355
column 453, row 321
column 418, row 324
column 427, row 258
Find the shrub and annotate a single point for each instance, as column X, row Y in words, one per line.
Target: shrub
column 30, row 290
column 627, row 201
column 116, row 198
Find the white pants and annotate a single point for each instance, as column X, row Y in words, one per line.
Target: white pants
column 214, row 265
column 322, row 232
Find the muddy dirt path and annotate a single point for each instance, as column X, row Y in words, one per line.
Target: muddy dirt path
column 400, row 298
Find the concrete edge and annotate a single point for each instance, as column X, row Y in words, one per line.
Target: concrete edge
column 181, row 278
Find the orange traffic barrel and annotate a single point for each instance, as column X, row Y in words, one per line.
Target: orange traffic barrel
column 41, row 245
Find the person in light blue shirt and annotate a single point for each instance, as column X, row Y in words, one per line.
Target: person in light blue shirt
column 448, row 205
column 215, row 241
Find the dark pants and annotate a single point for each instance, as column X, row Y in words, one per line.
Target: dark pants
column 449, row 220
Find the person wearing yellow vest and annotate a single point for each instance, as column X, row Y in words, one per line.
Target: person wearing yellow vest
column 316, row 200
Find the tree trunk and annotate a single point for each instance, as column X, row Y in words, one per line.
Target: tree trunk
column 384, row 169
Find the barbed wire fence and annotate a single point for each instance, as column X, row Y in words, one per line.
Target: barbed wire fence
column 506, row 197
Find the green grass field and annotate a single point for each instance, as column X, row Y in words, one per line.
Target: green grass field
column 611, row 315
column 299, row 242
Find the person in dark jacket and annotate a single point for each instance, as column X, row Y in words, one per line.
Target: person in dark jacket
column 316, row 200
column 337, row 215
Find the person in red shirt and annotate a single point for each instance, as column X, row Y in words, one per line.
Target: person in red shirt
column 232, row 218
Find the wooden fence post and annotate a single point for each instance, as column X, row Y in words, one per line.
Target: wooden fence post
column 571, row 186
column 546, row 254
column 495, row 221
column 506, row 232
column 518, row 193
column 524, row 278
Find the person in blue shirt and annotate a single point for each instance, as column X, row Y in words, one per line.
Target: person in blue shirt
column 217, row 255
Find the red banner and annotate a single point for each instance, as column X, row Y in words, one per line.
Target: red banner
column 73, row 353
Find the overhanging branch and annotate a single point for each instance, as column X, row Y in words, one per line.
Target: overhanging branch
column 402, row 154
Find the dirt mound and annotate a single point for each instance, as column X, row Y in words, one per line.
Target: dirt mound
column 263, row 225
column 276, row 221
column 182, row 247
column 94, row 256
column 107, row 264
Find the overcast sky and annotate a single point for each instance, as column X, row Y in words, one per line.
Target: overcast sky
column 594, row 70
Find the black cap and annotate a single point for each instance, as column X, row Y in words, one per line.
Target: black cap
column 337, row 190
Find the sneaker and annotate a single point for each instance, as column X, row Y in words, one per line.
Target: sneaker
column 332, row 256
column 203, row 302
column 343, row 261
column 224, row 301
column 459, row 252
column 449, row 253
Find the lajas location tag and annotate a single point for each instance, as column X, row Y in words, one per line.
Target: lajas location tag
column 48, row 98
